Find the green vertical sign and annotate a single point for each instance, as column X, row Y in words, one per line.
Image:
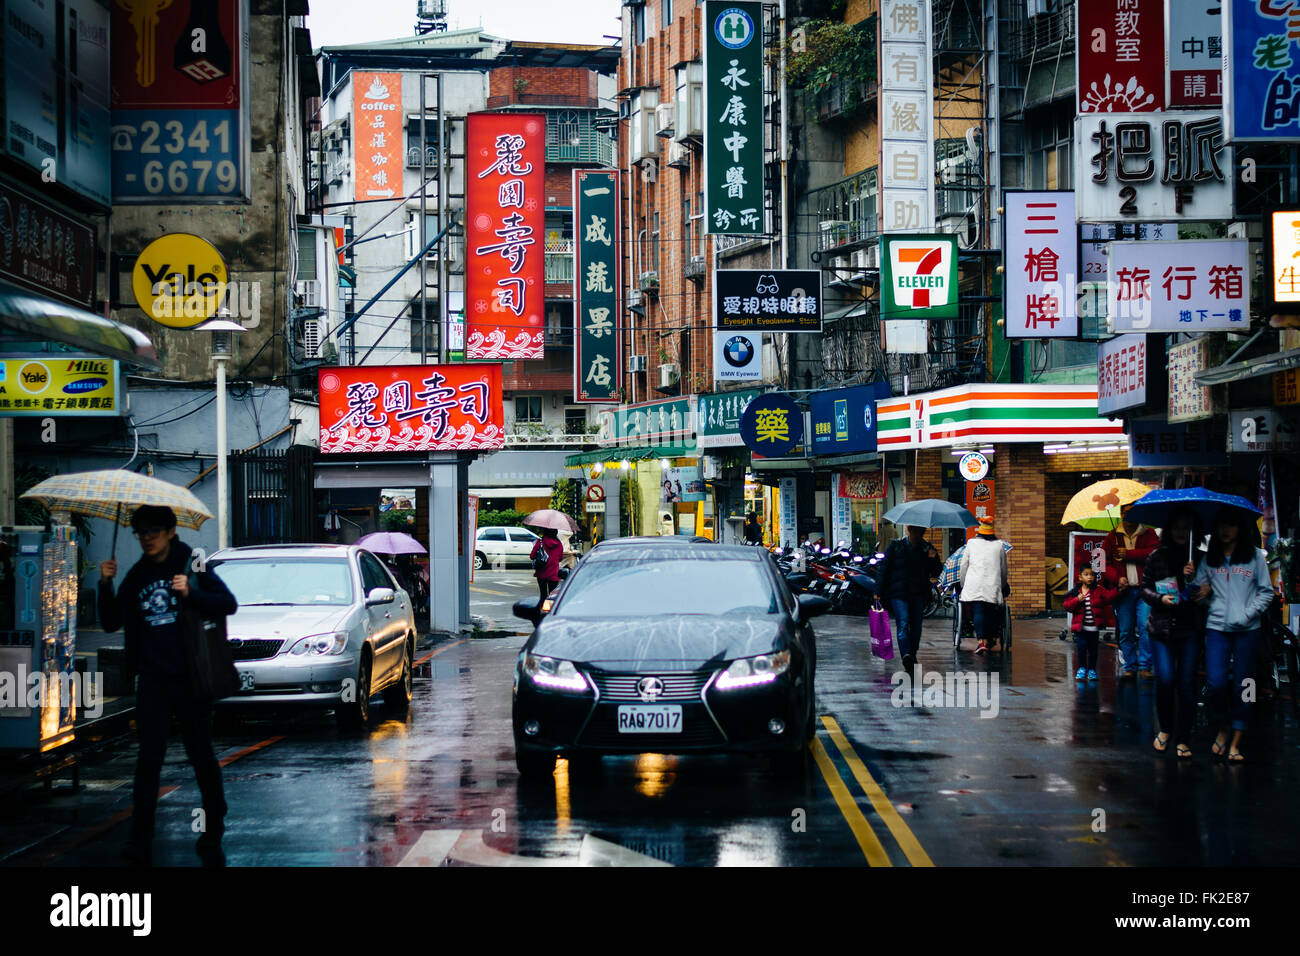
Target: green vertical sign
column 597, row 333
column 733, row 118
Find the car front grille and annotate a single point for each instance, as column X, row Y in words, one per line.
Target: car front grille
column 678, row 688
column 254, row 649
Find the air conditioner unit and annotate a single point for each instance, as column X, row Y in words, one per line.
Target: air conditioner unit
column 868, row 258
column 667, row 375
column 633, row 298
column 664, row 120
column 679, row 155
column 313, row 336
column 951, row 171
column 649, row 170
column 636, row 363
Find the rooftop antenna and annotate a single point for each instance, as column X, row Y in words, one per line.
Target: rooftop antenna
column 430, row 16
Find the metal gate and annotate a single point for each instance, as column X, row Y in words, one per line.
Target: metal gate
column 272, row 496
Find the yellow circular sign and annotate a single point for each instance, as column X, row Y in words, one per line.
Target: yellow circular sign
column 179, row 280
column 33, row 377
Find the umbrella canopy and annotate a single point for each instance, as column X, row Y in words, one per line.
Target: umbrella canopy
column 550, row 518
column 1097, row 507
column 951, row 567
column 931, row 513
column 115, row 495
column 1154, row 507
column 391, row 542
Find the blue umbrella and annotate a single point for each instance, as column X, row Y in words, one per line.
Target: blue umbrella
column 1154, row 507
column 931, row 513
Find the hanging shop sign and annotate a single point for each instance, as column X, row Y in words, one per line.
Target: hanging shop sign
column 918, row 277
column 788, row 515
column 980, row 501
column 737, row 356
column 992, row 413
column 180, row 107
column 46, row 251
column 1262, row 82
column 179, row 280
column 733, row 118
column 1156, row 443
column 719, row 415
column 906, row 118
column 843, row 420
column 772, row 425
column 1194, row 285
column 862, row 485
column 411, row 408
column 1042, row 265
column 1121, row 373
column 1189, row 401
column 505, row 208
column 1272, row 430
column 768, row 300
column 597, row 287
column 1094, row 237
column 841, row 513
column 66, row 386
column 1194, row 65
column 379, row 130
column 1286, row 387
column 667, row 422
column 973, row 466
column 1120, row 55
column 1166, row 166
column 1282, row 259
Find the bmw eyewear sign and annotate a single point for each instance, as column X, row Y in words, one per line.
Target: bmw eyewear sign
column 844, row 420
column 918, row 277
column 771, row 300
column 737, row 356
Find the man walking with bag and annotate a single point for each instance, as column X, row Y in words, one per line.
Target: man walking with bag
column 909, row 566
column 166, row 614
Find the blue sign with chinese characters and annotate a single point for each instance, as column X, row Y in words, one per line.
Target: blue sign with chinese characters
column 1156, row 443
column 843, row 420
column 1262, row 92
column 772, row 425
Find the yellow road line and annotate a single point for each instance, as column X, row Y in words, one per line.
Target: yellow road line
column 486, row 591
column 435, row 653
column 907, row 840
column 866, row 837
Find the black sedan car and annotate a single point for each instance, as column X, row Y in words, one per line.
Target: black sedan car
column 667, row 648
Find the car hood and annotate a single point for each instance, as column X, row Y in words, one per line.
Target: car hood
column 690, row 641
column 284, row 622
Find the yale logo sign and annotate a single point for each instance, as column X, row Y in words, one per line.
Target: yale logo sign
column 179, row 280
column 922, row 276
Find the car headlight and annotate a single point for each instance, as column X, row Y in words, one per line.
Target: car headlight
column 751, row 671
column 334, row 642
column 554, row 673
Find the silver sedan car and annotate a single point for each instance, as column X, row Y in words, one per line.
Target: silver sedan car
column 318, row 624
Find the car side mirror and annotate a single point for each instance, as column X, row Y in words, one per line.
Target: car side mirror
column 812, row 605
column 529, row 610
column 380, row 596
column 564, row 573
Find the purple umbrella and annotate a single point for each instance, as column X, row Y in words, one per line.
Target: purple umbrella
column 391, row 542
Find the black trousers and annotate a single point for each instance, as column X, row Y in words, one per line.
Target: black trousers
column 545, row 587
column 157, row 701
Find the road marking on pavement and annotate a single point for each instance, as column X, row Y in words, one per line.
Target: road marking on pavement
column 224, row 761
column 487, row 591
column 435, row 653
column 907, row 840
column 866, row 837
column 436, row 847
column 431, row 849
column 598, row 852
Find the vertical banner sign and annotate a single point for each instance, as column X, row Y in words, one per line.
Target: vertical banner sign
column 1195, row 54
column 505, row 208
column 473, row 532
column 1281, row 252
column 1261, row 63
column 980, row 502
column 906, row 116
column 1042, row 263
column 1121, row 56
column 1121, row 373
column 733, row 113
column 1189, row 401
column 597, row 285
column 180, row 110
column 377, row 140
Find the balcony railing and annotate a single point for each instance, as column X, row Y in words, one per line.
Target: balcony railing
column 844, row 99
column 587, row 145
column 1045, row 34
column 559, row 261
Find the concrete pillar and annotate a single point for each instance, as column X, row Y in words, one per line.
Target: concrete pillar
column 448, row 520
column 612, row 507
column 1021, row 518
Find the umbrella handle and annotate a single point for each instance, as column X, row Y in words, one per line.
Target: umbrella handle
column 117, row 523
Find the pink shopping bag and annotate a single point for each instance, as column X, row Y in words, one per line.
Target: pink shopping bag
column 882, row 637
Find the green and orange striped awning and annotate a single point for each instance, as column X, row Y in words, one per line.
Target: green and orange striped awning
column 992, row 413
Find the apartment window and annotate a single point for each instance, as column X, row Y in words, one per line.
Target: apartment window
column 1050, row 141
column 413, row 141
column 638, row 23
column 528, row 409
column 575, row 421
column 654, row 244
column 426, row 326
column 306, row 255
column 668, row 13
column 687, row 243
column 699, row 224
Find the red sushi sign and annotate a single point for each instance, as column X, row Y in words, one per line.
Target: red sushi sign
column 505, row 220
column 411, row 408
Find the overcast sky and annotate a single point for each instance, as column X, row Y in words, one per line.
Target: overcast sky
column 339, row 22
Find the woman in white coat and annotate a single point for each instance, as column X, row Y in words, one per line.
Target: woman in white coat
column 984, row 587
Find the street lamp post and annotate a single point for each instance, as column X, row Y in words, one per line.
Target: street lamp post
column 223, row 349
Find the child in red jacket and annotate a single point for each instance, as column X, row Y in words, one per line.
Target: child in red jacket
column 1090, row 603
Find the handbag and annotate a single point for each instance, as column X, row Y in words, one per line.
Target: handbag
column 542, row 559
column 882, row 637
column 214, row 673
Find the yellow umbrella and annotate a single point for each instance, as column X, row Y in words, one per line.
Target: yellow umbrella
column 1097, row 507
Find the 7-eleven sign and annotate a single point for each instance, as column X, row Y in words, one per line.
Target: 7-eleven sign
column 919, row 277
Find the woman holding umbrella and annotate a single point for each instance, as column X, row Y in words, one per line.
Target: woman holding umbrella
column 1235, row 582
column 549, row 522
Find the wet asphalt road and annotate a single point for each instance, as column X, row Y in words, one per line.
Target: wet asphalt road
column 1063, row 774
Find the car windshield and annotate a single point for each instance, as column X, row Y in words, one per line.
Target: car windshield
column 286, row 581
column 639, row 585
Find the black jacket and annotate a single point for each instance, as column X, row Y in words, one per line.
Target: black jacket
column 907, row 570
column 1185, row 617
column 209, row 669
